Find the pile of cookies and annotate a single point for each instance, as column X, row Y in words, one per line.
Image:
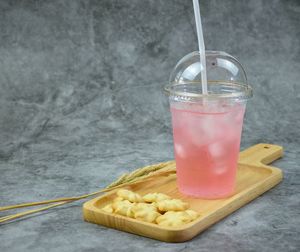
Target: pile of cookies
column 155, row 208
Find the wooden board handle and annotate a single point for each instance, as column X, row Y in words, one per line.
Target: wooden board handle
column 260, row 154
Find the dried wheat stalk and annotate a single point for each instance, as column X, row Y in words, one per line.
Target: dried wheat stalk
column 126, row 179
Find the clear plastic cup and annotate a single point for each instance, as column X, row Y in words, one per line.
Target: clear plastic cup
column 207, row 128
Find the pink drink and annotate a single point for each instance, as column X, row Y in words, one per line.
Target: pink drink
column 206, row 145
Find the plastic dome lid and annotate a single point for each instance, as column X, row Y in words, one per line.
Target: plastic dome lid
column 225, row 75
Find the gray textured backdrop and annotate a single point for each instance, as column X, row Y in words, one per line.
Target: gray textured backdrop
column 82, row 102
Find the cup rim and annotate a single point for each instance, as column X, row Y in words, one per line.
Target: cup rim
column 244, row 91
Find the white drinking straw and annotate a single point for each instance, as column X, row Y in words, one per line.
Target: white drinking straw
column 200, row 45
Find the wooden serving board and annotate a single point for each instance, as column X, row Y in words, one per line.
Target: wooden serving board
column 254, row 178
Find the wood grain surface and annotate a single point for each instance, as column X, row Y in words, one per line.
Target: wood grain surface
column 254, row 177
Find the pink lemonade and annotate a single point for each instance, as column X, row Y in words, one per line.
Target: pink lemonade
column 206, row 146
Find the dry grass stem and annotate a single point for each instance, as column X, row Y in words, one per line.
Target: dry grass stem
column 124, row 180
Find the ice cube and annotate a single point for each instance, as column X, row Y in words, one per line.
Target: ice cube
column 217, row 150
column 202, row 131
column 179, row 150
column 220, row 169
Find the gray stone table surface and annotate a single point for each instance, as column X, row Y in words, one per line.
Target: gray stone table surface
column 82, row 102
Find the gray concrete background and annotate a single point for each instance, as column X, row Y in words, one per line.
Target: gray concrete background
column 82, row 102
